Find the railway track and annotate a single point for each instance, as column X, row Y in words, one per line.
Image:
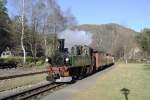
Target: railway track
column 31, row 92
column 3, row 77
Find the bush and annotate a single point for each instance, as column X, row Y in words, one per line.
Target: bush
column 19, row 61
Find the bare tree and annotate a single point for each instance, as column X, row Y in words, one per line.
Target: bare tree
column 56, row 21
column 20, row 9
column 22, row 32
column 43, row 17
column 71, row 21
column 97, row 43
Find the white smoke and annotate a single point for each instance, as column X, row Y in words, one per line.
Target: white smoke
column 75, row 37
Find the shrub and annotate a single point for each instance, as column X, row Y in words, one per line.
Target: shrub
column 19, row 61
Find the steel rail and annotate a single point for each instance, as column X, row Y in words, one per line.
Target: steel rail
column 22, row 74
column 31, row 92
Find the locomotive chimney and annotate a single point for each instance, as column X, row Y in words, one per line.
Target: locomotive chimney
column 61, row 45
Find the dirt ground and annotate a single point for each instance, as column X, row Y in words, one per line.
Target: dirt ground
column 21, row 81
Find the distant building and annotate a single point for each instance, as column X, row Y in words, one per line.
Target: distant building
column 6, row 54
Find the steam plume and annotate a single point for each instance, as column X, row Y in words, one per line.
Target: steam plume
column 75, row 37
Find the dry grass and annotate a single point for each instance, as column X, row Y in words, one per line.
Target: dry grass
column 135, row 77
column 22, row 81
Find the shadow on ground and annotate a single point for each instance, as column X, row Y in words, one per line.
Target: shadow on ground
column 146, row 67
column 125, row 92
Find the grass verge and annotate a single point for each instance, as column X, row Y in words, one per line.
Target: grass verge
column 134, row 77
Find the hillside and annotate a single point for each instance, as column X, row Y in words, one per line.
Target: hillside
column 112, row 38
column 105, row 27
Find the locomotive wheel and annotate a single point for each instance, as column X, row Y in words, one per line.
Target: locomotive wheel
column 82, row 73
column 50, row 78
column 88, row 71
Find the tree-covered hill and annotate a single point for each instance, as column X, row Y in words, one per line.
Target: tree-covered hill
column 112, row 38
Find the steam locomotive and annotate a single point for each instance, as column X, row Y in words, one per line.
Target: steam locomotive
column 81, row 61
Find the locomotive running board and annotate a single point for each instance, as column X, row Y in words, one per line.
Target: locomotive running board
column 64, row 79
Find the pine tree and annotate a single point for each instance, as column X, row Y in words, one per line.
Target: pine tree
column 4, row 27
column 145, row 40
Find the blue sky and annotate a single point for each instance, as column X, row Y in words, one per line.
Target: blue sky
column 134, row 14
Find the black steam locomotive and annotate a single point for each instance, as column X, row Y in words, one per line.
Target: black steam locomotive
column 80, row 61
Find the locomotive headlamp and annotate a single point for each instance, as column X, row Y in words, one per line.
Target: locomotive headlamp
column 46, row 60
column 67, row 59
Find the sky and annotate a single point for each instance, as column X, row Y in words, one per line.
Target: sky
column 133, row 14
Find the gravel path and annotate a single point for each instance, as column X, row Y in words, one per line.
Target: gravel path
column 67, row 92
